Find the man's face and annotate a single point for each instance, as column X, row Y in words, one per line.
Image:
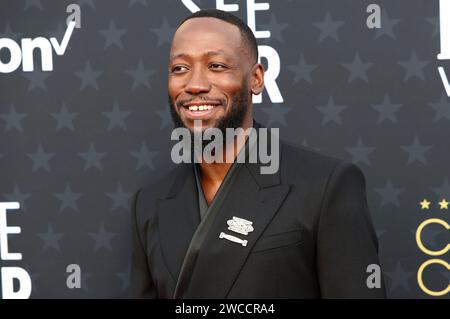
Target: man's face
column 209, row 75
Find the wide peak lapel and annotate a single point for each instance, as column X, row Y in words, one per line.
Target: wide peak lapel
column 178, row 218
column 220, row 260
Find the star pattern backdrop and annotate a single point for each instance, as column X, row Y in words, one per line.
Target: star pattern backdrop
column 77, row 142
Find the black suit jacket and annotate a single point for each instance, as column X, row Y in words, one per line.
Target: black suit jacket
column 312, row 238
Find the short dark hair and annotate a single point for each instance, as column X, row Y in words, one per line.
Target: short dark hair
column 246, row 32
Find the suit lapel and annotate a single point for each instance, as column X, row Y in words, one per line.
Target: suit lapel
column 212, row 271
column 254, row 197
column 178, row 218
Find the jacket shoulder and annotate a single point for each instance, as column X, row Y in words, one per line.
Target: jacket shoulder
column 303, row 157
column 304, row 163
column 163, row 186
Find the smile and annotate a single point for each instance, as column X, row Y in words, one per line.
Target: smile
column 200, row 111
column 201, row 107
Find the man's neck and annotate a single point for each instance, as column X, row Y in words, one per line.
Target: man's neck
column 213, row 174
column 216, row 172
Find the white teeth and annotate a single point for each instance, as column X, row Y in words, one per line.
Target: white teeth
column 201, row 107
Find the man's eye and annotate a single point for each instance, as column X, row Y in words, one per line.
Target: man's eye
column 178, row 69
column 217, row 67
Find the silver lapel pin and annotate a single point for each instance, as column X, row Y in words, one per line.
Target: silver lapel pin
column 240, row 225
column 233, row 239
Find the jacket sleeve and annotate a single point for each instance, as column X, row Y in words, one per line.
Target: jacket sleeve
column 141, row 282
column 346, row 241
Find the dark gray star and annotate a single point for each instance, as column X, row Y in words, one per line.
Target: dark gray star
column 133, row 2
column 276, row 114
column 18, row 196
column 116, row 117
column 88, row 77
column 387, row 110
column 140, row 75
column 435, row 23
column 144, row 157
column 387, row 26
column 389, row 193
column 360, row 153
column 357, row 69
column 125, row 278
column 92, row 158
column 41, row 159
column 165, row 116
column 302, row 70
column 64, row 118
column 113, row 35
column 443, row 191
column 399, row 278
column 8, row 33
column 276, row 29
column 68, row 199
column 33, row 3
column 36, row 80
column 102, row 238
column 13, row 119
column 442, row 108
column 164, row 33
column 416, row 151
column 120, row 198
column 328, row 28
column 51, row 239
column 414, row 67
column 331, row 112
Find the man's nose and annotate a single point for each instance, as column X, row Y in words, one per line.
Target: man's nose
column 197, row 83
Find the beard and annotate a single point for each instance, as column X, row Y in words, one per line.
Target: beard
column 233, row 118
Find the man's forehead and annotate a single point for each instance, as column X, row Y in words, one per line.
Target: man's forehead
column 210, row 36
column 209, row 24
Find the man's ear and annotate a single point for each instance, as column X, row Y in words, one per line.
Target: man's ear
column 257, row 82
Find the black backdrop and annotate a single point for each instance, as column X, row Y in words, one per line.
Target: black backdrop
column 76, row 142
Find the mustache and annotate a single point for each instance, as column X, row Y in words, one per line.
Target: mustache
column 181, row 103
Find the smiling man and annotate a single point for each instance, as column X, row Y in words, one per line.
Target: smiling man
column 225, row 229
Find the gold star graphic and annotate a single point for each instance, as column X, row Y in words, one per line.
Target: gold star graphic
column 425, row 204
column 443, row 204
